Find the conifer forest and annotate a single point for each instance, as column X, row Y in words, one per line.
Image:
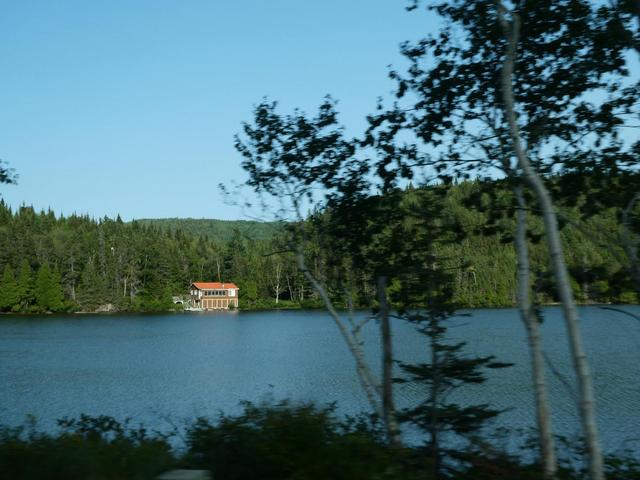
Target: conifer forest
column 77, row 263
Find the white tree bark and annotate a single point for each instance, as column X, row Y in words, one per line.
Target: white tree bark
column 73, row 281
column 369, row 385
column 290, row 286
column 276, row 282
column 587, row 400
column 545, row 432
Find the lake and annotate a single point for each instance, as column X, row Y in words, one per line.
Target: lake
column 164, row 369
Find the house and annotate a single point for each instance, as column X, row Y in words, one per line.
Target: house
column 213, row 295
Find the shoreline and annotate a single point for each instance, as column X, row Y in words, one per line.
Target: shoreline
column 285, row 308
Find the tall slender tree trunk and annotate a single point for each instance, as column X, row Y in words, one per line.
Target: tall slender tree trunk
column 552, row 234
column 73, row 281
column 371, row 389
column 388, row 407
column 545, row 432
column 290, row 287
column 276, row 285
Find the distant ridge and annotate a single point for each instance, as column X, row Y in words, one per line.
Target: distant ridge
column 217, row 230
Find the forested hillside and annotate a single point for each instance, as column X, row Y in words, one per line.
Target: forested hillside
column 77, row 263
column 486, row 260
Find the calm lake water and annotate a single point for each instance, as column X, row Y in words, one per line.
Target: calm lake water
column 164, row 369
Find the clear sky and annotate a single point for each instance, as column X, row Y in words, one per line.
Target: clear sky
column 130, row 106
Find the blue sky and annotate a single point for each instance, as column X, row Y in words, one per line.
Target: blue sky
column 130, row 106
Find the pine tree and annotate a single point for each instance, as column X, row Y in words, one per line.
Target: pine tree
column 57, row 292
column 48, row 291
column 42, row 287
column 24, row 291
column 91, row 291
column 8, row 290
column 424, row 295
column 447, row 369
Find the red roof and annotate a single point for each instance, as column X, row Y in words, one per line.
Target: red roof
column 214, row 285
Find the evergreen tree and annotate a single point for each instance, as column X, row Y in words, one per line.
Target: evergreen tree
column 24, row 291
column 423, row 291
column 56, row 294
column 8, row 290
column 42, row 287
column 91, row 291
column 249, row 293
column 448, row 368
column 48, row 291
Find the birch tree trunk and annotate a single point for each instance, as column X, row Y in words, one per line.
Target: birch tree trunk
column 545, row 433
column 73, row 281
column 371, row 389
column 388, row 407
column 277, row 282
column 290, row 287
column 552, row 235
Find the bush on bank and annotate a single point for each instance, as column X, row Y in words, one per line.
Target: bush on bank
column 85, row 448
column 266, row 441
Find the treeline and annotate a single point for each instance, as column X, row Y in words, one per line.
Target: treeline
column 77, row 263
column 478, row 253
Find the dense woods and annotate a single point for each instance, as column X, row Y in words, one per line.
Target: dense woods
column 76, row 263
column 54, row 263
